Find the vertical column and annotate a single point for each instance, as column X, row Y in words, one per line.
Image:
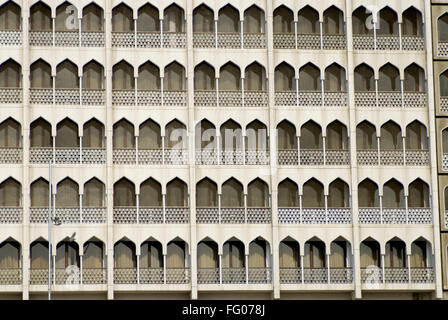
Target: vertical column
column 381, row 209
column 25, row 152
column 216, row 34
column 378, row 150
column 242, row 33
column 353, row 164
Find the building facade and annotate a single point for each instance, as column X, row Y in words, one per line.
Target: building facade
column 224, row 149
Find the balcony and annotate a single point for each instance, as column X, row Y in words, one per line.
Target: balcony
column 316, row 275
column 229, row 40
column 176, row 40
column 94, row 276
column 314, row 216
column 39, row 276
column 148, row 39
column 150, row 156
column 11, row 155
column 388, row 42
column 10, row 37
column 284, row 41
column 149, row 215
column 10, row 95
column 92, row 39
column 393, row 158
column 208, row 275
column 149, row 97
column 41, row 38
column 11, row 215
column 68, row 155
column 125, row 275
column 445, row 161
column 442, row 49
column 230, row 98
column 212, row 215
column 376, row 275
column 74, row 215
column 313, row 157
column 204, row 40
column 151, row 275
column 67, row 38
column 175, row 98
column 259, row 275
column 395, row 216
column 391, row 99
column 11, row 276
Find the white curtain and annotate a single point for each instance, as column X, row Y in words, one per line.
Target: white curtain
column 176, row 194
column 9, row 255
column 207, row 255
column 175, row 255
column 92, row 18
column 67, row 135
column 150, row 194
column 39, row 193
column 93, row 194
column 125, row 255
column 93, row 255
column 10, row 193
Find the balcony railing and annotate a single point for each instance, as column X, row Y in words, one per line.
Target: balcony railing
column 229, row 40
column 125, row 275
column 10, row 276
column 129, row 215
column 315, row 275
column 94, row 276
column 233, row 275
column 150, row 156
column 391, row 99
column 260, row 275
column 233, row 215
column 308, row 41
column 41, row 96
column 442, row 49
column 67, row 155
column 387, row 42
column 231, row 157
column 230, row 98
column 254, row 40
column 313, row 157
column 445, row 161
column 93, row 97
column 92, row 39
column 10, row 95
column 384, row 42
column 207, row 215
column 178, row 275
column 39, row 276
column 205, row 98
column 148, row 39
column 10, row 38
column 67, row 96
column 334, row 42
column 74, row 215
column 149, row 97
column 259, row 215
column 151, row 275
column 208, row 275
column 393, row 157
column 10, row 155
column 255, row 99
column 290, row 275
column 204, row 40
column 177, row 40
column 42, row 38
column 66, row 38
column 285, row 98
column 150, row 215
column 91, row 215
column 284, row 41
column 395, row 216
column 314, row 216
column 257, row 157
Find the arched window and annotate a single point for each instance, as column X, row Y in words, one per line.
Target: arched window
column 333, row 21
column 309, row 78
column 67, row 17
column 419, row 256
column 335, row 80
column 257, row 253
column 288, row 194
column 370, row 253
column 39, row 193
column 442, row 28
column 206, row 193
column 289, row 252
column 67, row 134
column 388, row 22
column 338, row 254
column 122, row 19
column 203, row 19
column 313, row 194
column 67, row 75
column 10, row 252
column 151, row 193
column 443, row 79
column 412, row 24
column 148, row 19
column 151, row 255
column 92, row 76
column 40, row 17
column 395, row 254
column 391, row 138
column 254, row 20
column 173, row 19
column 284, row 78
column 123, row 76
column 283, row 20
column 445, row 140
column 10, row 74
column 124, row 193
column 176, row 253
column 418, row 194
column 364, row 78
column 93, row 134
column 176, row 193
column 40, row 134
column 10, row 134
column 39, row 254
column 149, row 136
column 362, row 21
column 10, row 16
column 311, row 136
column 337, row 138
column 148, row 77
column 123, row 135
column 92, row 18
column 175, row 135
column 314, row 255
column 338, row 194
column 308, row 21
column 286, row 136
column 67, row 254
column 257, row 136
column 207, row 255
column 229, row 77
column 389, row 78
column 366, row 136
column 228, row 20
column 124, row 255
column 416, row 138
column 232, row 194
column 205, row 135
column 258, row 194
column 204, row 77
column 368, row 194
column 67, row 194
column 255, row 78
column 232, row 255
column 10, row 193
column 40, row 75
column 174, row 79
column 231, row 136
column 393, row 194
column 93, row 257
column 414, row 79
column 94, row 192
